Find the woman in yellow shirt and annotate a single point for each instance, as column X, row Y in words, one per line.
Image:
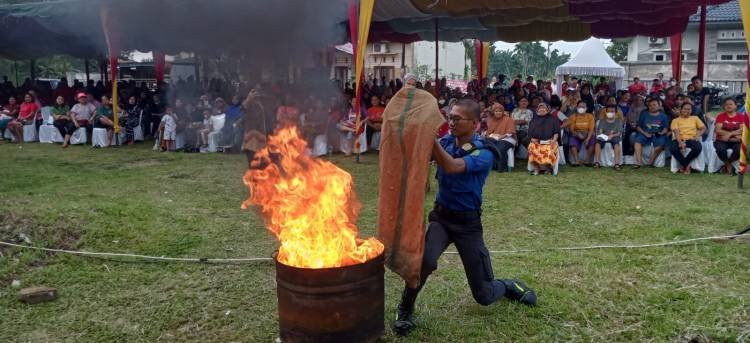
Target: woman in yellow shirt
column 687, row 130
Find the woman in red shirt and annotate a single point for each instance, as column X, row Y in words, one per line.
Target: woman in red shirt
column 9, row 116
column 729, row 134
column 27, row 114
column 28, row 111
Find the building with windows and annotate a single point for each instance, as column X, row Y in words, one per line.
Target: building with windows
column 726, row 52
column 394, row 60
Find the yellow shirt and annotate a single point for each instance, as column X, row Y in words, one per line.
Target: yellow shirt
column 582, row 122
column 688, row 127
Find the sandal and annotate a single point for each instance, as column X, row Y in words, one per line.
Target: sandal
column 597, row 165
column 637, row 166
column 617, row 167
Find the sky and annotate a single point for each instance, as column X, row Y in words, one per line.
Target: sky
column 565, row 47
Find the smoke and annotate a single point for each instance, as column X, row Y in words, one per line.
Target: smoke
column 237, row 27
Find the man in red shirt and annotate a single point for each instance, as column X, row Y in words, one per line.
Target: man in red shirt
column 637, row 88
column 374, row 120
column 657, row 86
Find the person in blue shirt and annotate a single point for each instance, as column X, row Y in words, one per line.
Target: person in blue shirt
column 652, row 128
column 464, row 161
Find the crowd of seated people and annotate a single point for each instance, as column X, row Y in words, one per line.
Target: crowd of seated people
column 527, row 117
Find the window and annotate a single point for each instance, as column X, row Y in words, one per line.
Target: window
column 731, row 34
column 741, row 57
column 683, row 57
column 659, row 57
column 726, row 57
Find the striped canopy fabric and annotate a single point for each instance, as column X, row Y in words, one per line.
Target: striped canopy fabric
column 530, row 20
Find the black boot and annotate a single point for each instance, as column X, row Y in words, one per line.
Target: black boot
column 518, row 291
column 404, row 323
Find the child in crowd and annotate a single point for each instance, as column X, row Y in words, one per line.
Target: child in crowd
column 168, row 130
column 205, row 129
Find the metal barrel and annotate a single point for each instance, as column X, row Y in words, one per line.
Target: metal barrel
column 343, row 304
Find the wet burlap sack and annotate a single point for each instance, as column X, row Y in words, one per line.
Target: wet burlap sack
column 410, row 123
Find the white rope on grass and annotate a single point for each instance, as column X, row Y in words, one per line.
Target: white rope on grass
column 257, row 259
column 613, row 246
column 143, row 257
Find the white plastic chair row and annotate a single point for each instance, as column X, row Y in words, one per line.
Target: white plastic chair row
column 29, row 133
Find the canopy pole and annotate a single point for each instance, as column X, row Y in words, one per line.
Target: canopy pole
column 437, row 59
column 403, row 59
column 15, row 67
column 675, row 43
column 702, row 40
column 86, row 67
column 32, row 69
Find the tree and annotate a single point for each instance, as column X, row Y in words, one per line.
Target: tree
column 618, row 50
column 469, row 52
column 422, row 72
column 526, row 59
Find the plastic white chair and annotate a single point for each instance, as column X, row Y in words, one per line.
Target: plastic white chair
column 99, row 138
column 138, row 130
column 217, row 123
column 48, row 133
column 375, row 144
column 555, row 168
column 511, row 159
column 29, row 133
column 607, row 157
column 714, row 163
column 660, row 160
column 79, row 136
column 699, row 163
column 320, row 145
column 179, row 140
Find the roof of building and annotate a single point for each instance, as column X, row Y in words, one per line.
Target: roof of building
column 729, row 11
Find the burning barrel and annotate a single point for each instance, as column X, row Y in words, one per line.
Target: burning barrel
column 343, row 304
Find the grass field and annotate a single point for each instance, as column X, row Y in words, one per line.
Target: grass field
column 172, row 204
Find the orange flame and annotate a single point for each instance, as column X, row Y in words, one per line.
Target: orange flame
column 309, row 204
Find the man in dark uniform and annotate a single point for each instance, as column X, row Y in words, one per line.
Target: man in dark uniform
column 463, row 166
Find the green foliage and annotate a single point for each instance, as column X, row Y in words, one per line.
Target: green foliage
column 618, row 50
column 54, row 66
column 134, row 200
column 525, row 59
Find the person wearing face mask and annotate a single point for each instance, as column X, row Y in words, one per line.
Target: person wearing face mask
column 501, row 132
column 610, row 101
column 609, row 131
column 581, row 126
column 686, row 133
column 652, row 128
column 544, row 130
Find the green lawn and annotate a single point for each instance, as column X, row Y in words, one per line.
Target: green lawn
column 135, row 200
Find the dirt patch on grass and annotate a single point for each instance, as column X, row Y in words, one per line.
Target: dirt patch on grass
column 63, row 233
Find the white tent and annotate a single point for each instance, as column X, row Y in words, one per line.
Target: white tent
column 591, row 60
